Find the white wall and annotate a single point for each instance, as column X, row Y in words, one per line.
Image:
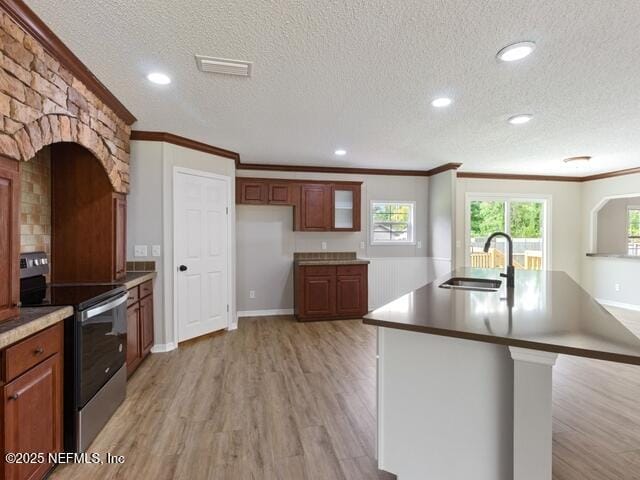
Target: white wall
column 266, row 241
column 150, row 217
column 612, row 225
column 442, row 215
column 566, row 198
column 600, row 275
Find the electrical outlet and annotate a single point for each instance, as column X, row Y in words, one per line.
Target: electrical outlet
column 252, row 294
column 617, row 287
column 419, row 244
column 362, row 245
column 140, row 251
column 155, row 250
column 323, row 245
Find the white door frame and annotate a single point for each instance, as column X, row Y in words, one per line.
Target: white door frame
column 230, row 289
column 546, row 227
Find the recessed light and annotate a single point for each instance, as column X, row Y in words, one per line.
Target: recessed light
column 516, row 51
column 159, row 78
column 340, row 152
column 441, row 102
column 582, row 158
column 520, row 119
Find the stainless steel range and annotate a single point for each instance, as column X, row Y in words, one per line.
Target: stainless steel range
column 95, row 341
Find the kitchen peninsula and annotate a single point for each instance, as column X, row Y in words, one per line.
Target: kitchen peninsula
column 478, row 386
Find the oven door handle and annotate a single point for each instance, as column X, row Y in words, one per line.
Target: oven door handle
column 105, row 307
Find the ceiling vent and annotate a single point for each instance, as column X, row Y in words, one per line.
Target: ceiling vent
column 223, row 66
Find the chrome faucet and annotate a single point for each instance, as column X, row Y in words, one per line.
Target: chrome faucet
column 510, row 275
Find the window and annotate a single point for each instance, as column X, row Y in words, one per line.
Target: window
column 392, row 223
column 633, row 230
column 521, row 217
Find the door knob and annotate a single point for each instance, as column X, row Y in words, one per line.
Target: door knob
column 15, row 396
column 182, row 268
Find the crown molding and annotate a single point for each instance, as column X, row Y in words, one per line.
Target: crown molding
column 221, row 152
column 34, row 26
column 184, row 142
column 515, row 176
column 548, row 178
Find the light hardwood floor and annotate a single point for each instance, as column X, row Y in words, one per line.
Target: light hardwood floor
column 278, row 399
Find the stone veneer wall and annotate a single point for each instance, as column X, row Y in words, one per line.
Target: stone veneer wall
column 41, row 103
column 35, row 203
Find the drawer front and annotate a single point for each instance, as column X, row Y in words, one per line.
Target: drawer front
column 351, row 269
column 134, row 296
column 320, row 270
column 22, row 356
column 146, row 289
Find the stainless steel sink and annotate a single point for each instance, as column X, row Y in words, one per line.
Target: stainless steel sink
column 479, row 284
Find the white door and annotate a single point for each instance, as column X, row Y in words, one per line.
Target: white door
column 201, row 253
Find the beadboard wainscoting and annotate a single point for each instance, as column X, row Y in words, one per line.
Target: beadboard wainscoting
column 392, row 277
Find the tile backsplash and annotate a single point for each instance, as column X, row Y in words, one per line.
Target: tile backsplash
column 35, row 203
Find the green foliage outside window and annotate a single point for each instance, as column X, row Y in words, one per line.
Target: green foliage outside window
column 488, row 217
column 634, row 222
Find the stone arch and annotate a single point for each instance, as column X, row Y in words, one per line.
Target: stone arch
column 25, row 142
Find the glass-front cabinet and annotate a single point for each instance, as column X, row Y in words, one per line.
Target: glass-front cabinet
column 346, row 207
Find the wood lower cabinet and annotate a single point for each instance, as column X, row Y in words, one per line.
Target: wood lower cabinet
column 134, row 354
column 9, row 237
column 139, row 325
column 330, row 292
column 32, row 402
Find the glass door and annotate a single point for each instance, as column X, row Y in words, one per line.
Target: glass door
column 522, row 218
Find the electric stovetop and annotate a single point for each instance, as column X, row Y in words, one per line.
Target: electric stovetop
column 77, row 295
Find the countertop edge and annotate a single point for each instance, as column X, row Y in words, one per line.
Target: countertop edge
column 144, row 276
column 32, row 327
column 545, row 347
column 319, row 263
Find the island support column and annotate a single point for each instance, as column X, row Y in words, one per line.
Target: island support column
column 532, row 413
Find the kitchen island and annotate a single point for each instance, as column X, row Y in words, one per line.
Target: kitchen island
column 472, row 398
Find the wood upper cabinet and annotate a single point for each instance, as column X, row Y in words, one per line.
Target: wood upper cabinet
column 315, row 208
column 120, row 235
column 279, row 194
column 32, row 407
column 9, row 237
column 330, row 292
column 345, row 203
column 251, row 191
column 318, row 206
column 88, row 219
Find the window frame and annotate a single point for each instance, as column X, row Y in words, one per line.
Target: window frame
column 508, row 198
column 627, row 236
column 410, row 230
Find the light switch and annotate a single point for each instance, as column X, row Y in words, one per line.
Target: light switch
column 324, row 245
column 419, row 244
column 140, row 251
column 362, row 245
column 155, row 250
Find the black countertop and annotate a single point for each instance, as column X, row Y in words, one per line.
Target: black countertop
column 549, row 312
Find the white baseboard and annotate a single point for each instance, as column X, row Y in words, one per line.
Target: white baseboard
column 265, row 313
column 163, row 347
column 611, row 303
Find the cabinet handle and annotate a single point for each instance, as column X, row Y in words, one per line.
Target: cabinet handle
column 130, row 297
column 15, row 396
column 39, row 351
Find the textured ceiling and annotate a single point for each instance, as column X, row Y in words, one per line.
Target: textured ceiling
column 360, row 74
